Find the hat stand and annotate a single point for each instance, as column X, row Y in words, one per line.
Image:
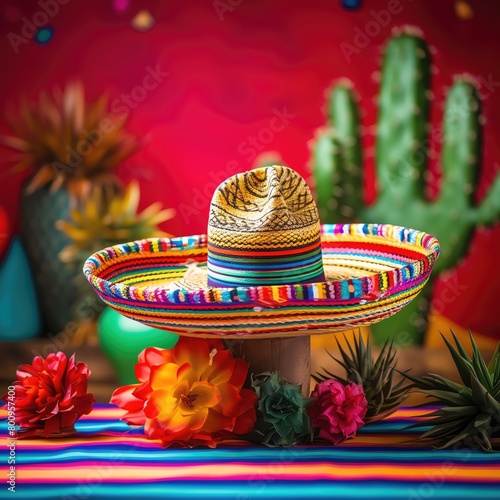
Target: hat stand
column 290, row 356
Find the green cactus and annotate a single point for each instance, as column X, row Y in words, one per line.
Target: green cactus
column 338, row 158
column 401, row 158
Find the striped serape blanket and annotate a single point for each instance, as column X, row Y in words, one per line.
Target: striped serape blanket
column 109, row 459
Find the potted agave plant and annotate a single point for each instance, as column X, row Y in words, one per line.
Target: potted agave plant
column 105, row 218
column 72, row 148
column 108, row 218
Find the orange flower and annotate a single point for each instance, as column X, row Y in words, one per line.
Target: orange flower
column 189, row 395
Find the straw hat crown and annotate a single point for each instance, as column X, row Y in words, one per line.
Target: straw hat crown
column 264, row 229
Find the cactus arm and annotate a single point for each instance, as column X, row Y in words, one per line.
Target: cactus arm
column 326, row 167
column 339, row 198
column 337, row 159
column 488, row 211
column 461, row 149
column 343, row 114
column 460, row 160
column 401, row 151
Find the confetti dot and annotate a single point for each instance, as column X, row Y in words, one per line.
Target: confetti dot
column 44, row 35
column 121, row 5
column 351, row 4
column 143, row 21
column 463, row 10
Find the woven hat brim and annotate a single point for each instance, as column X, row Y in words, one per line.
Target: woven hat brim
column 372, row 271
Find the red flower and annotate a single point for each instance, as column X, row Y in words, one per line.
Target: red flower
column 337, row 411
column 51, row 395
column 190, row 395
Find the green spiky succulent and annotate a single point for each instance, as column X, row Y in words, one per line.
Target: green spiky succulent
column 383, row 394
column 61, row 139
column 470, row 412
column 109, row 219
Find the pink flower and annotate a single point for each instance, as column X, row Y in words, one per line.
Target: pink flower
column 338, row 410
column 51, row 395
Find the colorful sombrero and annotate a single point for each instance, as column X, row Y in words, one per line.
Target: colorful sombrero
column 267, row 268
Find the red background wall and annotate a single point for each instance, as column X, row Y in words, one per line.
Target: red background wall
column 225, row 78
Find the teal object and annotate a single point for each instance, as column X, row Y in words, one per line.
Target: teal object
column 122, row 339
column 56, row 283
column 403, row 140
column 44, row 35
column 19, row 313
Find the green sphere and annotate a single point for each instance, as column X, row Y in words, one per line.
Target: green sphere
column 122, row 339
